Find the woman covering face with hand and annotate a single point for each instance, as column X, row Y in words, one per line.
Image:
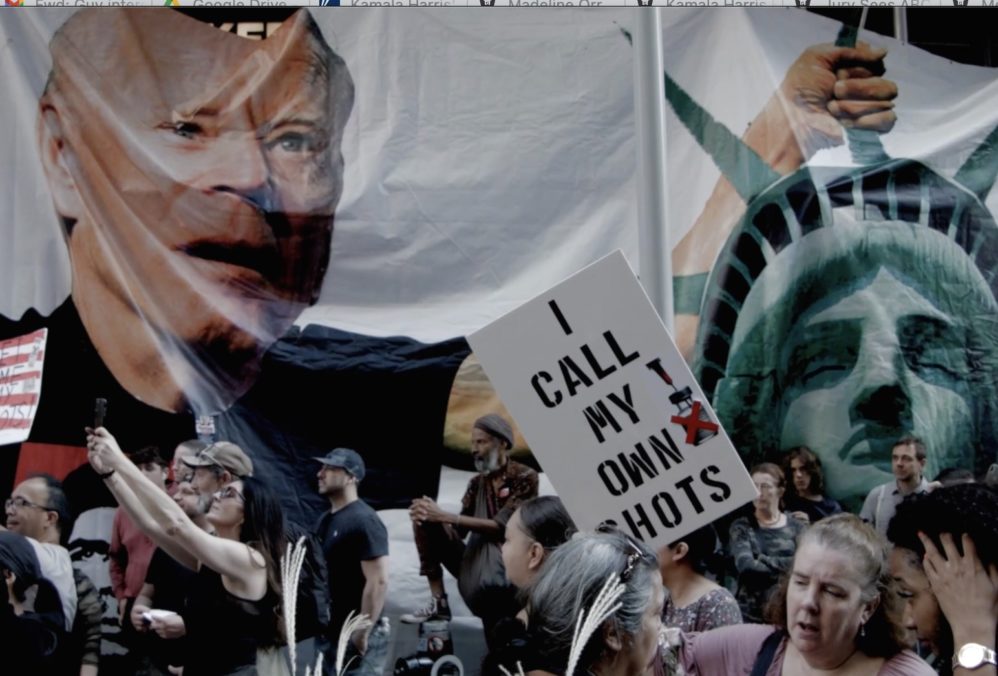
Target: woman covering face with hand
column 945, row 560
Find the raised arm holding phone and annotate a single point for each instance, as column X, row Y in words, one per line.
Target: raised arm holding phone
column 235, row 596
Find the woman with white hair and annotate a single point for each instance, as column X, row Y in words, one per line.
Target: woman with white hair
column 623, row 640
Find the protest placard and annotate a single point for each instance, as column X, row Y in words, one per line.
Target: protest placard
column 610, row 408
column 21, row 360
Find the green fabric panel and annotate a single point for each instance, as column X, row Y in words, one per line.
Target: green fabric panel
column 864, row 144
column 687, row 292
column 741, row 165
column 980, row 170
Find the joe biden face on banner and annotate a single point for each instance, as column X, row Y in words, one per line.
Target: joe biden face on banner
column 196, row 174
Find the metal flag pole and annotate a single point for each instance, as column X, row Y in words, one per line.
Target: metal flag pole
column 654, row 252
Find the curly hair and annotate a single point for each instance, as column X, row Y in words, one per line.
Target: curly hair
column 811, row 464
column 960, row 509
column 885, row 634
column 957, row 509
column 148, row 454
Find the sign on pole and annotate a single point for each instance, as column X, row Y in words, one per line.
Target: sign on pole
column 610, row 408
column 21, row 361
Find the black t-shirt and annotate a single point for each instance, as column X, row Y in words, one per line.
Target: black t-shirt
column 350, row 535
column 815, row 510
column 171, row 582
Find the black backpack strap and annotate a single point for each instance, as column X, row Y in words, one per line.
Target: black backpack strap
column 766, row 653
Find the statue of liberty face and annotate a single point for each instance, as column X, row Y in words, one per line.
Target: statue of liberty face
column 857, row 372
column 870, row 330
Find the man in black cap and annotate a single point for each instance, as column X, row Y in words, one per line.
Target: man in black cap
column 490, row 500
column 355, row 544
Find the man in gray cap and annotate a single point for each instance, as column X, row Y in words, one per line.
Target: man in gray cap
column 355, row 544
column 490, row 500
column 215, row 467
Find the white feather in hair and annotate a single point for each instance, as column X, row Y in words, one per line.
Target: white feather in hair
column 291, row 564
column 519, row 670
column 317, row 671
column 603, row 607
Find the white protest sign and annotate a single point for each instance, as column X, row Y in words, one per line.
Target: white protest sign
column 21, row 361
column 610, row 408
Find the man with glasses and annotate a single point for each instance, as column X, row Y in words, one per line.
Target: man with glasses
column 38, row 510
column 215, row 467
column 178, row 470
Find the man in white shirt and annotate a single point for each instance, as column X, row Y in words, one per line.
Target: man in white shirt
column 908, row 465
column 37, row 509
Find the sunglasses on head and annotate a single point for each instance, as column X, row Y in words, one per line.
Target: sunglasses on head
column 634, row 552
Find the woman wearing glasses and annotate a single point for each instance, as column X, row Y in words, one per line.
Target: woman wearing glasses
column 762, row 544
column 625, row 643
column 233, row 604
column 837, row 613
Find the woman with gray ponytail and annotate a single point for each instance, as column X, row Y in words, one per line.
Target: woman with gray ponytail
column 612, row 582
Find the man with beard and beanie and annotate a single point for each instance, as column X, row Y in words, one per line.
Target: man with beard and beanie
column 355, row 544
column 490, row 499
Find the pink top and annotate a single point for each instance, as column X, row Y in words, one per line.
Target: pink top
column 732, row 651
column 129, row 556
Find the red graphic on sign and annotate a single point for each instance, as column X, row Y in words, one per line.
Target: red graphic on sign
column 693, row 424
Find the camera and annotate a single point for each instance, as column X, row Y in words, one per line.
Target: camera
column 434, row 655
column 424, row 665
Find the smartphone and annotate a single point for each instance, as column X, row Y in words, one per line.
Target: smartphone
column 100, row 410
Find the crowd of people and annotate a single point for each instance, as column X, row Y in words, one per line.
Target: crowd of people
column 791, row 586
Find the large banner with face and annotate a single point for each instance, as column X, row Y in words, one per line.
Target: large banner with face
column 289, row 221
column 832, row 214
column 176, row 183
column 179, row 179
